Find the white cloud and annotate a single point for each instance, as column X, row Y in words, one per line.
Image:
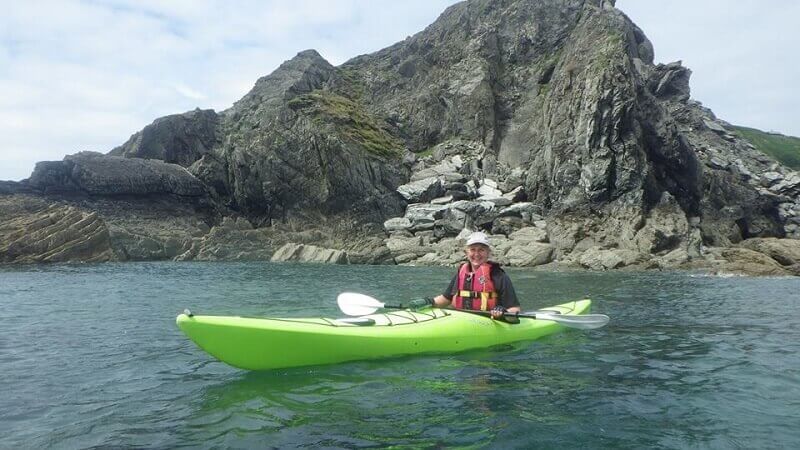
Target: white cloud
column 190, row 93
column 742, row 55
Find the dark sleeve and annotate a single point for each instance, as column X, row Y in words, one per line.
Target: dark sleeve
column 505, row 290
column 448, row 294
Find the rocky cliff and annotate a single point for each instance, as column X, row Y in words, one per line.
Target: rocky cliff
column 542, row 122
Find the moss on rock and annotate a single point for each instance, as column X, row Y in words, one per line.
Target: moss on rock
column 350, row 118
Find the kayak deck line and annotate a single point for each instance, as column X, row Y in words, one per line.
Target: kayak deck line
column 401, row 318
column 274, row 343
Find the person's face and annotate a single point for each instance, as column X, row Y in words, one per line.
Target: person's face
column 477, row 254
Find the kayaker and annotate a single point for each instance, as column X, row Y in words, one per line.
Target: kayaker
column 479, row 283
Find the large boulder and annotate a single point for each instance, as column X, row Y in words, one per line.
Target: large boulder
column 423, row 216
column 527, row 211
column 97, row 174
column 743, row 261
column 309, row 253
column 529, row 234
column 529, row 255
column 397, row 224
column 596, row 258
column 447, row 170
column 785, row 251
column 422, row 191
column 507, row 225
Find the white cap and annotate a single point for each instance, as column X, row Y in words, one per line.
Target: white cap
column 478, row 238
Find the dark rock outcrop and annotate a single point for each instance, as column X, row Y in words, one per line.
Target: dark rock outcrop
column 103, row 175
column 292, row 147
column 178, row 139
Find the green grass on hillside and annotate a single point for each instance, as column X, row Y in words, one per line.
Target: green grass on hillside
column 785, row 149
column 351, row 118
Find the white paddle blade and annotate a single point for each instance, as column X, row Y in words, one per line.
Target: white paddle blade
column 355, row 304
column 583, row 322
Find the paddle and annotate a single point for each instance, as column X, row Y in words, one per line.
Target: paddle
column 354, row 304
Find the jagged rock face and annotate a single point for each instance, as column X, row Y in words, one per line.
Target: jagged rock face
column 733, row 204
column 463, row 76
column 309, row 168
column 549, row 87
column 292, row 147
column 543, row 85
column 577, row 135
column 178, row 139
column 97, row 174
column 302, row 74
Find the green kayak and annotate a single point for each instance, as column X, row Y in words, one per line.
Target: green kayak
column 263, row 343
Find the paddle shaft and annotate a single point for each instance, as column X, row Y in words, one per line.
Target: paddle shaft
column 582, row 321
column 507, row 314
column 478, row 312
column 354, row 304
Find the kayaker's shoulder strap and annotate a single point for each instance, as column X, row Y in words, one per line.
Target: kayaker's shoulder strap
column 454, row 283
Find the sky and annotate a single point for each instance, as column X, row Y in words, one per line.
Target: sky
column 85, row 75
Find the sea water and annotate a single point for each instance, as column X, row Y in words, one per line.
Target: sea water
column 90, row 357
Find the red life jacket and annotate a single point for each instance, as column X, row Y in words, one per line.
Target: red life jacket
column 475, row 290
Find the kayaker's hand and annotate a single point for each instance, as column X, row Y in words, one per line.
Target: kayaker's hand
column 498, row 311
column 419, row 303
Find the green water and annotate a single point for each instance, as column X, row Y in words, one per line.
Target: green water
column 90, row 357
